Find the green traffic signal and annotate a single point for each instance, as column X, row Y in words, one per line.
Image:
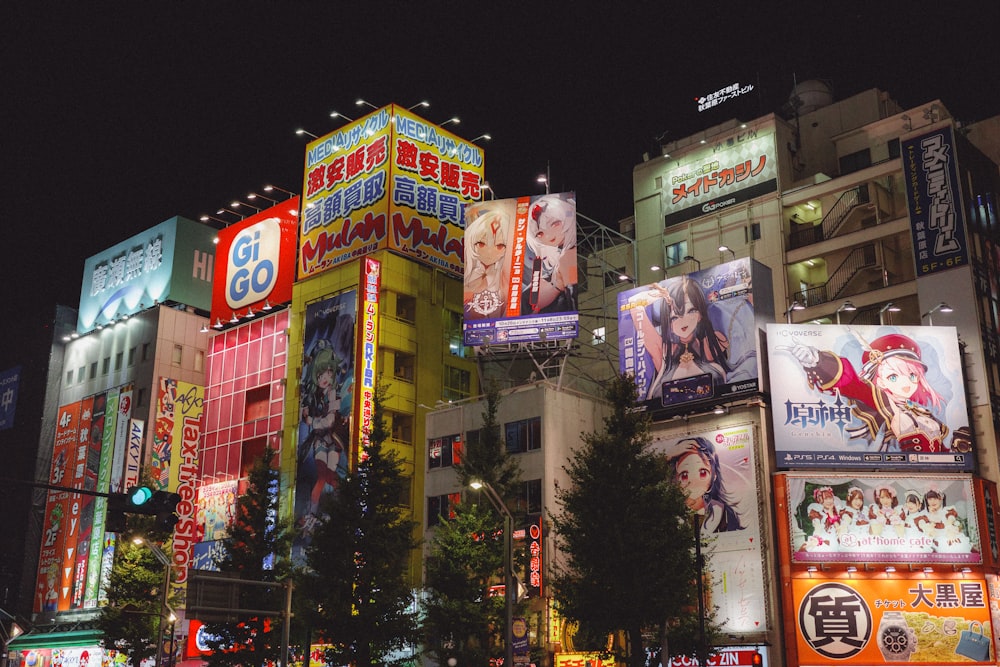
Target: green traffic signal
column 139, row 496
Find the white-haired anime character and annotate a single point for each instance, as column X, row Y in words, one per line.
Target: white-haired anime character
column 486, row 270
column 550, row 276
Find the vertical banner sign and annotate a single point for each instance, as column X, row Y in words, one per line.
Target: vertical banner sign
column 9, row 381
column 934, row 198
column 179, row 410
column 76, row 462
column 535, row 557
column 521, row 277
column 326, row 389
column 95, row 572
column 55, row 526
column 125, row 465
column 94, row 438
column 367, row 351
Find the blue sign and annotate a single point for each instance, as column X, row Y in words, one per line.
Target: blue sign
column 9, row 380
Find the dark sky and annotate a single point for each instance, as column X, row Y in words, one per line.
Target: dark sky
column 117, row 116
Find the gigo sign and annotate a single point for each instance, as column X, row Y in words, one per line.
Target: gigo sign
column 253, row 261
column 256, row 264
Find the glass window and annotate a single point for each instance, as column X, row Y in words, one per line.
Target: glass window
column 676, row 252
column 119, row 358
column 69, row 377
column 457, row 383
column 406, row 308
column 404, row 367
column 145, row 351
column 444, row 452
column 199, row 360
column 524, row 435
column 176, row 358
column 105, row 365
column 131, row 356
column 855, row 161
column 93, row 370
column 258, row 402
column 441, row 508
column 600, row 333
column 81, row 373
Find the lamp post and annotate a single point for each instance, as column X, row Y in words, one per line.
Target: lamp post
column 508, row 577
column 887, row 308
column 848, row 306
column 942, row 307
column 164, row 607
column 700, row 565
column 795, row 306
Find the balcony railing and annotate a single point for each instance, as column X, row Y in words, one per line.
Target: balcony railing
column 860, row 259
column 833, row 220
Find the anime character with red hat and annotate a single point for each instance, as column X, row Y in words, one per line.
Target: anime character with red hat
column 890, row 395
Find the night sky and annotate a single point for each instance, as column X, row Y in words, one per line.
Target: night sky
column 117, row 116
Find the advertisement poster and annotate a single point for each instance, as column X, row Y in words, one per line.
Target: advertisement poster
column 717, row 472
column 216, row 503
column 873, row 518
column 367, row 361
column 934, row 200
column 521, row 270
column 326, row 389
column 255, row 262
column 730, row 170
column 9, row 381
column 868, row 397
column 388, row 180
column 899, row 621
column 690, row 338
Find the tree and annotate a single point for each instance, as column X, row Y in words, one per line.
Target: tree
column 358, row 560
column 461, row 619
column 257, row 547
column 130, row 623
column 626, row 537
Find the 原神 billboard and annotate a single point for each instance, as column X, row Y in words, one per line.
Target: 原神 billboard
column 868, row 397
column 521, row 270
column 326, row 389
column 716, row 470
column 872, row 518
column 691, row 338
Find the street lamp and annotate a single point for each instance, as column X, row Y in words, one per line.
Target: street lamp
column 795, row 306
column 690, row 258
column 848, row 306
column 165, row 611
column 508, row 578
column 942, row 307
column 725, row 248
column 887, row 308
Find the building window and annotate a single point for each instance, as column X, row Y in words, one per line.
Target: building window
column 524, row 435
column 105, row 365
column 457, row 383
column 441, row 508
column 175, row 359
column 404, row 364
column 93, row 370
column 199, row 361
column 406, row 308
column 258, row 402
column 855, row 161
column 119, row 358
column 600, row 335
column 69, row 377
column 453, row 333
column 145, row 351
column 81, row 373
column 444, row 452
column 141, row 399
column 131, row 357
column 893, row 148
column 402, row 427
column 676, row 252
column 530, row 501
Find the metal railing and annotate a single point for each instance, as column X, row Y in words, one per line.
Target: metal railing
column 830, row 224
column 861, row 258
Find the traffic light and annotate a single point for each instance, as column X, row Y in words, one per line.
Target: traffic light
column 114, row 520
column 757, row 660
column 161, row 504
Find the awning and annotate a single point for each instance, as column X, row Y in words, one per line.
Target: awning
column 69, row 638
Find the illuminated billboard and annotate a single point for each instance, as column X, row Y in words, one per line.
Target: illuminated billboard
column 172, row 261
column 934, row 199
column 367, row 350
column 9, row 381
column 693, row 338
column 326, row 389
column 521, row 270
column 733, row 169
column 388, row 180
column 717, row 471
column 875, row 619
column 868, row 397
column 877, row 518
column 255, row 262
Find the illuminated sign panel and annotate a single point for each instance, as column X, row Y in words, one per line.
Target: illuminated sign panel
column 871, row 518
column 326, row 388
column 868, row 397
column 388, row 180
column 256, row 261
column 692, row 338
column 934, row 199
column 521, row 270
column 731, row 170
column 878, row 620
column 9, row 381
column 726, row 499
column 171, row 261
column 722, row 95
column 371, row 281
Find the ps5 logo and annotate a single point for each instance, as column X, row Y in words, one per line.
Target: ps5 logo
column 252, row 268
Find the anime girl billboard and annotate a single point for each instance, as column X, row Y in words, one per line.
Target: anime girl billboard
column 521, row 270
column 326, row 389
column 691, row 338
column 868, row 396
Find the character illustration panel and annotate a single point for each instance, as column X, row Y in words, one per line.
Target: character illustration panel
column 489, row 247
column 919, row 519
column 692, row 337
column 326, row 389
column 868, row 396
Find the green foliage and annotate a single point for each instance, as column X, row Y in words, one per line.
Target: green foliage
column 625, row 535
column 356, row 586
column 131, row 620
column 466, row 556
column 257, row 547
column 487, row 459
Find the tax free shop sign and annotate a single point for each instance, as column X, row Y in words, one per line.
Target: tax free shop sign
column 256, row 262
